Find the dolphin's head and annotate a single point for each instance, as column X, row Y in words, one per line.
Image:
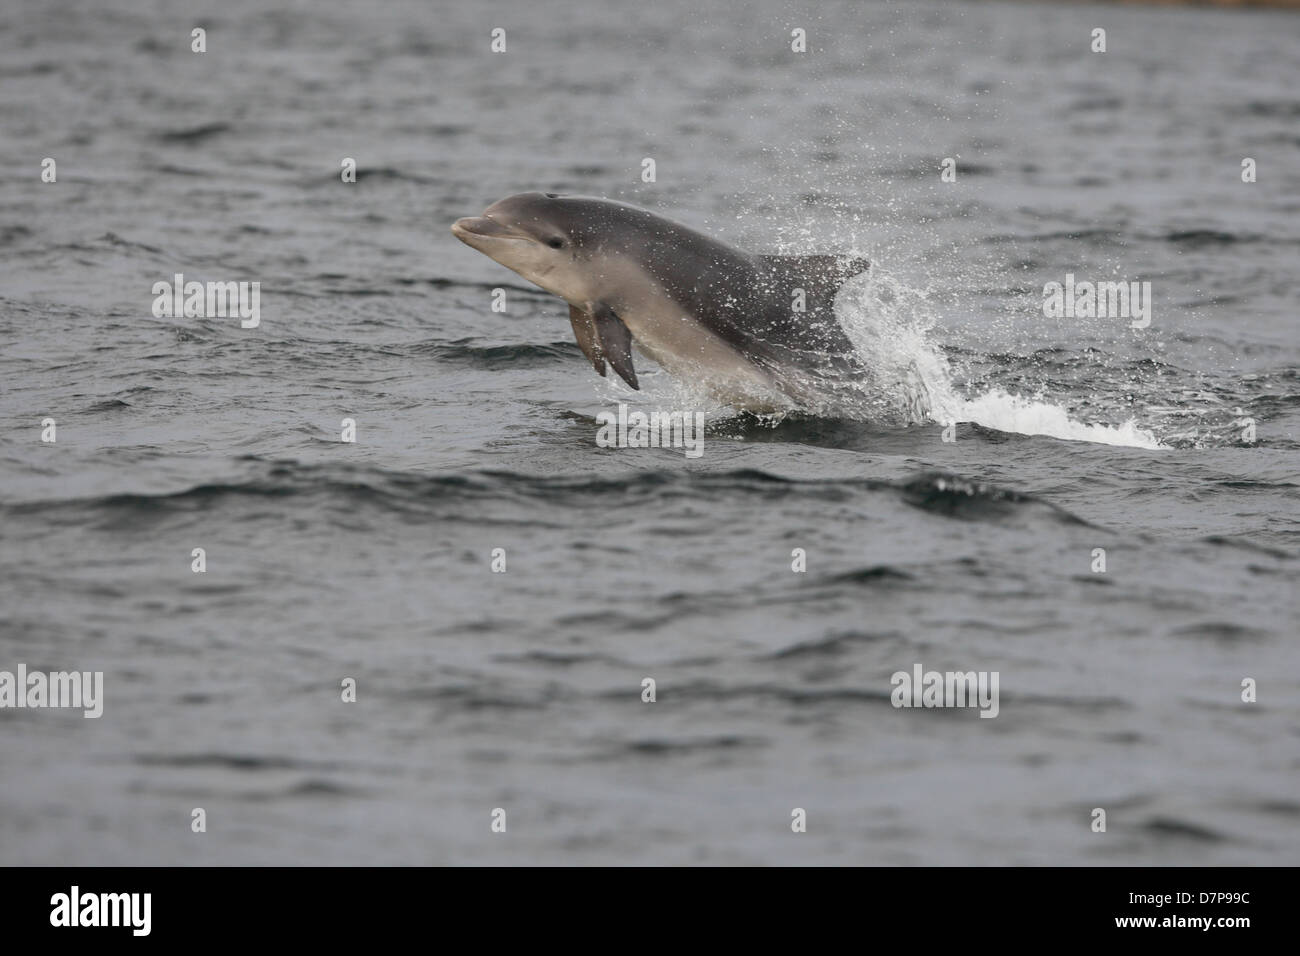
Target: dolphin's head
column 545, row 237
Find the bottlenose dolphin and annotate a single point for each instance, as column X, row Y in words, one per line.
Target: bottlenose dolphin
column 758, row 332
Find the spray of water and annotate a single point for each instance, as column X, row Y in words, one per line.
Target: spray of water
column 889, row 324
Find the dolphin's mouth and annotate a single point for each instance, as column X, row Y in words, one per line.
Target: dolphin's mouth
column 484, row 227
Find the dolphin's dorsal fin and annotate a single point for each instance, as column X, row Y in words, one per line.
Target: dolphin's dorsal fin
column 819, row 276
column 584, row 330
column 776, row 326
column 615, row 343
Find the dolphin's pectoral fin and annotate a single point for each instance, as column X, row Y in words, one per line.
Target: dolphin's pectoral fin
column 584, row 330
column 819, row 276
column 615, row 342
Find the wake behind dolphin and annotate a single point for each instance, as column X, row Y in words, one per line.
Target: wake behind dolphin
column 757, row 332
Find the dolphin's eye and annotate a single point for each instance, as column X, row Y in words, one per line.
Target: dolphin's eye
column 556, row 243
column 551, row 195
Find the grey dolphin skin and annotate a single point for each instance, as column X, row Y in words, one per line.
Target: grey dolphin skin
column 705, row 311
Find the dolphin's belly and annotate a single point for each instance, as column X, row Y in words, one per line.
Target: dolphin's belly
column 687, row 350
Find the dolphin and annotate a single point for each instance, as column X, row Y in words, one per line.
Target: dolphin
column 758, row 332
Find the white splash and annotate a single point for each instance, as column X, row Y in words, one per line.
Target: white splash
column 1014, row 413
column 888, row 323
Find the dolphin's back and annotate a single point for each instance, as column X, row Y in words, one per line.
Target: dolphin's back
column 749, row 301
column 777, row 310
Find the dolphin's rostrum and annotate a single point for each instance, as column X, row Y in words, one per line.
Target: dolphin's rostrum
column 759, row 332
